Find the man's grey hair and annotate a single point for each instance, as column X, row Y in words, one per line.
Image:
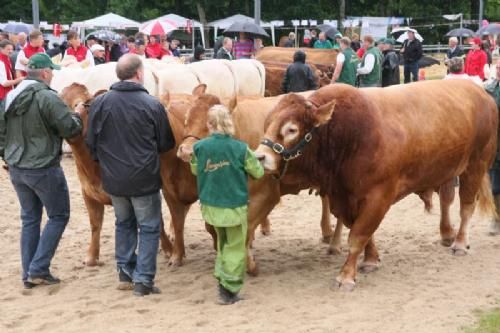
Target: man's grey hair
column 128, row 66
column 456, row 65
column 454, row 39
column 35, row 73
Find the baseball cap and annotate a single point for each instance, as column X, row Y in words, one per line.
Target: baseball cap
column 96, row 47
column 40, row 61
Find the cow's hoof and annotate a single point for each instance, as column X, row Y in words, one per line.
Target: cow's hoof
column 495, row 228
column 92, row 262
column 253, row 270
column 326, row 239
column 174, row 261
column 367, row 267
column 447, row 242
column 334, row 250
column 265, row 231
column 459, row 250
column 345, row 285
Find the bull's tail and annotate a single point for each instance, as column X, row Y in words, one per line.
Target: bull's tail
column 486, row 202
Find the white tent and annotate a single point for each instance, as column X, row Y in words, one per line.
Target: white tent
column 182, row 22
column 109, row 20
column 226, row 22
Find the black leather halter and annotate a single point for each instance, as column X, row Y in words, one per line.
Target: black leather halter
column 292, row 153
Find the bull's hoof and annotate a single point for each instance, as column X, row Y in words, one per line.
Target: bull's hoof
column 326, row 239
column 368, row 267
column 92, row 262
column 447, row 242
column 334, row 250
column 265, row 231
column 174, row 261
column 494, row 228
column 253, row 270
column 345, row 285
column 459, row 250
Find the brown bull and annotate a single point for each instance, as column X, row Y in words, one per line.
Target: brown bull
column 368, row 148
column 249, row 116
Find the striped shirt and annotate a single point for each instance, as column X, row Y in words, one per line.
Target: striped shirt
column 244, row 49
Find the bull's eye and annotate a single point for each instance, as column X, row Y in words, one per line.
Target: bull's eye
column 292, row 130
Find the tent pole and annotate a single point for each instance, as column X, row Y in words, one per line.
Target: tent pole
column 36, row 14
column 257, row 12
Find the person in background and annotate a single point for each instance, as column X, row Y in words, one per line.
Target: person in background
column 165, row 48
column 7, row 80
column 355, row 43
column 259, row 44
column 115, row 51
column 139, row 49
column 290, row 42
column 4, row 36
column 314, row 38
column 222, row 166
column 128, row 129
column 34, row 46
column 390, row 64
column 454, row 49
column 322, row 42
column 174, row 48
column 412, row 52
column 456, row 67
column 36, row 121
column 98, row 53
column 338, row 37
column 225, row 51
column 307, row 37
column 21, row 41
column 77, row 50
column 493, row 88
column 244, row 47
column 91, row 40
column 298, row 76
column 370, row 71
column 199, row 54
column 347, row 63
column 153, row 50
column 476, row 60
column 123, row 44
column 131, row 44
column 485, row 46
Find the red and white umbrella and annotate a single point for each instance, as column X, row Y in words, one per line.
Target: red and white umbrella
column 158, row 27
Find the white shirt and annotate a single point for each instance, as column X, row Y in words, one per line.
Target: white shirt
column 368, row 67
column 3, row 74
column 340, row 58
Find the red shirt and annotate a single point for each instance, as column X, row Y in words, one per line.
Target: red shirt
column 474, row 63
column 8, row 69
column 153, row 51
column 80, row 53
column 29, row 50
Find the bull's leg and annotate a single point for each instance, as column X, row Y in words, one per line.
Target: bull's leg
column 336, row 241
column 95, row 210
column 178, row 212
column 371, row 260
column 326, row 226
column 265, row 227
column 211, row 230
column 370, row 215
column 495, row 222
column 251, row 263
column 446, row 197
column 165, row 243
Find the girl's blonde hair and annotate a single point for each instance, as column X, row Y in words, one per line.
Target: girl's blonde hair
column 220, row 120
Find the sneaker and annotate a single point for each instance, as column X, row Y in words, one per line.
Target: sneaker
column 141, row 289
column 28, row 285
column 227, row 297
column 43, row 279
column 125, row 280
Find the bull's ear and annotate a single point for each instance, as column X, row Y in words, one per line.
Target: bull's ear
column 199, row 90
column 324, row 113
column 165, row 99
column 232, row 103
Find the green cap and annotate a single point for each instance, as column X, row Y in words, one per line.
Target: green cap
column 41, row 60
column 389, row 41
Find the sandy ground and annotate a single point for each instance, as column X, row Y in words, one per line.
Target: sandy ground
column 420, row 286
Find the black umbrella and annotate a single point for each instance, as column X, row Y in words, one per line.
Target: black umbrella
column 247, row 27
column 425, row 61
column 330, row 31
column 461, row 32
column 490, row 29
column 105, row 35
column 17, row 27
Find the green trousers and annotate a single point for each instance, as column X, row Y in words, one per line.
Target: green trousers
column 230, row 265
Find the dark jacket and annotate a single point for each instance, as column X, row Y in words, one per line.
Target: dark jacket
column 115, row 53
column 127, row 129
column 298, row 76
column 33, row 126
column 390, row 68
column 412, row 51
column 457, row 52
column 223, row 54
column 355, row 45
column 99, row 61
column 289, row 43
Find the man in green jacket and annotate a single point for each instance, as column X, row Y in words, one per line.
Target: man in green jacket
column 370, row 70
column 347, row 62
column 32, row 127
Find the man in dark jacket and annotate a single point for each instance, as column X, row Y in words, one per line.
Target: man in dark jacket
column 412, row 52
column 31, row 132
column 127, row 130
column 298, row 76
column 225, row 51
column 390, row 64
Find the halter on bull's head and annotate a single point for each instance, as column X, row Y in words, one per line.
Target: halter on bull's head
column 290, row 127
column 195, row 124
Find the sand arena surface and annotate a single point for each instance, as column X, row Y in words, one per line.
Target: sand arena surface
column 420, row 286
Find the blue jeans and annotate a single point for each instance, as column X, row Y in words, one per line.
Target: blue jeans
column 37, row 189
column 137, row 225
column 411, row 68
